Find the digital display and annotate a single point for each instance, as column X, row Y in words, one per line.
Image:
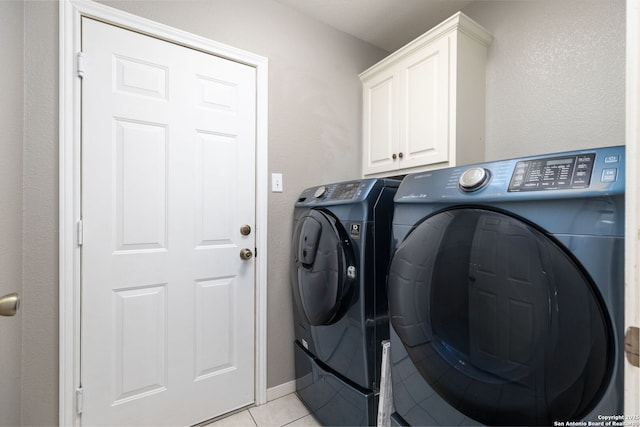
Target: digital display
column 345, row 191
column 557, row 173
column 559, row 162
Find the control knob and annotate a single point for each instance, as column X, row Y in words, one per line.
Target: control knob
column 473, row 179
column 320, row 191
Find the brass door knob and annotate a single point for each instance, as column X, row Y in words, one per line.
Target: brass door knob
column 245, row 230
column 9, row 304
column 246, row 254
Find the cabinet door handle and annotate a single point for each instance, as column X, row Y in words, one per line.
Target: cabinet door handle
column 400, row 154
column 393, row 156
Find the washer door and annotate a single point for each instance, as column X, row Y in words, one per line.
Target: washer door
column 323, row 268
column 499, row 319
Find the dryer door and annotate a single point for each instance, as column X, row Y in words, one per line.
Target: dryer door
column 499, row 320
column 323, row 268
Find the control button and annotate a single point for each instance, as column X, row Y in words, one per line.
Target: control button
column 472, row 179
column 609, row 175
column 320, row 191
column 614, row 158
column 580, row 183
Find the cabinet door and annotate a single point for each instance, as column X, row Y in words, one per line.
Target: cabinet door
column 380, row 122
column 424, row 107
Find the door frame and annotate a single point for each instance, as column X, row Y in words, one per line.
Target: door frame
column 70, row 15
column 632, row 202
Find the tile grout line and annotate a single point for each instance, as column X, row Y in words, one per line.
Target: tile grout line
column 255, row 423
column 293, row 421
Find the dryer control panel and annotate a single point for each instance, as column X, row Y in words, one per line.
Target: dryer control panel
column 554, row 173
column 568, row 174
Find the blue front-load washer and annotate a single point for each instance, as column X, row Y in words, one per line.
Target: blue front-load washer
column 506, row 292
column 340, row 258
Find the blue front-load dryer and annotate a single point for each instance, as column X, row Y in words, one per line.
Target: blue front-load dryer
column 340, row 258
column 506, row 292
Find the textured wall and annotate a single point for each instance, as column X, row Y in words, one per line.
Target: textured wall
column 555, row 75
column 11, row 85
column 40, row 234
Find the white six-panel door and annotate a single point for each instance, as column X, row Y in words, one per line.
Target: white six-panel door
column 168, row 179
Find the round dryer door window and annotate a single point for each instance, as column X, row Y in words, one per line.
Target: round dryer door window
column 323, row 268
column 499, row 319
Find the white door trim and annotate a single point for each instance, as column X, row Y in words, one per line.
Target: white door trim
column 70, row 13
column 632, row 241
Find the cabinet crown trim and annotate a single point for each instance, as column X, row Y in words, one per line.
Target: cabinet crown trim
column 459, row 21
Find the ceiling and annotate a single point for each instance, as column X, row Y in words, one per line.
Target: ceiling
column 388, row 24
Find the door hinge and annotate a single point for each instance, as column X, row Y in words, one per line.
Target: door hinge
column 80, row 64
column 80, row 233
column 632, row 345
column 79, row 400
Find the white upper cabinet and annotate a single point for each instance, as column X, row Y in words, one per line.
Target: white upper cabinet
column 423, row 106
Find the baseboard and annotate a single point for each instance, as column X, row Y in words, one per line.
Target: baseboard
column 281, row 390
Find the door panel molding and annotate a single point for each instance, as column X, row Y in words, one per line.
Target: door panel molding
column 70, row 14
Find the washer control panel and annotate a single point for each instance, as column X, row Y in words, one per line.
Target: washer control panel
column 337, row 193
column 345, row 191
column 340, row 191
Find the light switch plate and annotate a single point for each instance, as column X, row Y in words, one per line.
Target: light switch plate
column 276, row 183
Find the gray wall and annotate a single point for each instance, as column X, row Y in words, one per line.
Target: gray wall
column 11, row 86
column 555, row 81
column 555, row 75
column 40, row 233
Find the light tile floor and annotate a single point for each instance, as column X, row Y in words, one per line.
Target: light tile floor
column 286, row 411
